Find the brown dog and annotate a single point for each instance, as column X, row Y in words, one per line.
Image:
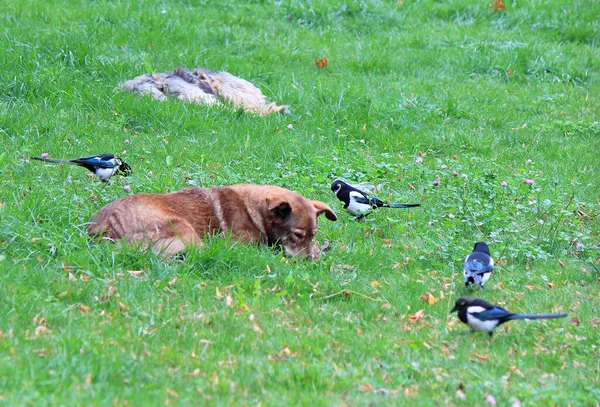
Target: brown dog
column 252, row 213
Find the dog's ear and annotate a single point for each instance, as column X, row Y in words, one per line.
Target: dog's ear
column 322, row 207
column 278, row 210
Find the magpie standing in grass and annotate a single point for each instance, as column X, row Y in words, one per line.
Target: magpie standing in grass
column 481, row 316
column 358, row 203
column 103, row 166
column 478, row 265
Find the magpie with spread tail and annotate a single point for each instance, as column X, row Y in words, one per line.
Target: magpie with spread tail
column 478, row 265
column 481, row 316
column 103, row 166
column 358, row 203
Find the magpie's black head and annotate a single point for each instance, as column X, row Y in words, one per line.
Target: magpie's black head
column 337, row 185
column 461, row 303
column 124, row 168
column 482, row 247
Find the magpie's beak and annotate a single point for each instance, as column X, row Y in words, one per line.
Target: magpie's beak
column 454, row 309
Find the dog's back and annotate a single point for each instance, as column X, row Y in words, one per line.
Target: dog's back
column 253, row 213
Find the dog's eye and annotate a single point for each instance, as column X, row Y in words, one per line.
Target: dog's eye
column 299, row 235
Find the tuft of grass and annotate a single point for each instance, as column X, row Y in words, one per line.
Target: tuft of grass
column 497, row 96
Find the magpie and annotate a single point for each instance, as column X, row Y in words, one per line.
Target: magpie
column 478, row 265
column 358, row 203
column 103, row 166
column 481, row 316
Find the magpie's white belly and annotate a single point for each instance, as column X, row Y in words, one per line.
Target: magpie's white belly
column 485, row 277
column 481, row 326
column 105, row 173
column 358, row 209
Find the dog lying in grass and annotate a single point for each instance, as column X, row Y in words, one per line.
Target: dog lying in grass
column 261, row 214
column 203, row 86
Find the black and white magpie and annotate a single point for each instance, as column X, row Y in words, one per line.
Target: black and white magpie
column 478, row 265
column 103, row 166
column 358, row 203
column 481, row 316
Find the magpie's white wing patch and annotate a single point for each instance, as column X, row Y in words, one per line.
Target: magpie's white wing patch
column 475, row 309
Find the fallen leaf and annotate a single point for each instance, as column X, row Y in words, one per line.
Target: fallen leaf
column 575, row 321
column 531, row 287
column 550, row 285
column 366, row 387
column 172, row 393
column 41, row 330
column 84, row 308
column 386, row 305
column 321, row 63
column 417, row 316
column 429, row 299
column 375, row 284
column 123, row 307
column 228, row 300
column 480, row 357
column 499, row 286
column 256, row 329
column 561, row 263
column 497, row 5
column 595, row 321
column 173, row 281
column 135, row 273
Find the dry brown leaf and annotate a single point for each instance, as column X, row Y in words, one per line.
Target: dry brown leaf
column 575, row 321
column 64, row 293
column 531, row 287
column 561, row 263
column 173, row 281
column 366, row 387
column 480, row 357
column 499, row 286
column 375, row 284
column 84, row 308
column 42, row 330
column 497, row 5
column 256, row 329
column 417, row 316
column 135, row 273
column 550, row 285
column 123, row 307
column 595, row 321
column 386, row 305
column 395, row 266
column 321, row 63
column 429, row 299
column 172, row 393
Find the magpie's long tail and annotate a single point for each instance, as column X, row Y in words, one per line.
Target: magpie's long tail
column 543, row 316
column 400, row 205
column 53, row 160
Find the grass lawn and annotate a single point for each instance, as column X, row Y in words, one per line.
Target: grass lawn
column 480, row 95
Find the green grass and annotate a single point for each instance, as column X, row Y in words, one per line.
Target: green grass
column 479, row 91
